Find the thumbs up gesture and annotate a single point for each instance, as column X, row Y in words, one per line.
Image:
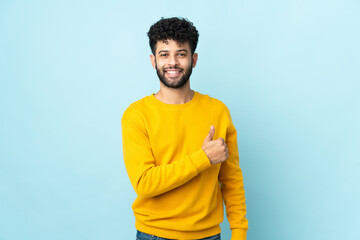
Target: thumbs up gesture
column 216, row 150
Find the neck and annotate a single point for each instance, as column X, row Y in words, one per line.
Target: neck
column 175, row 96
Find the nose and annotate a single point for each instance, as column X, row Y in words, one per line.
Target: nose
column 173, row 60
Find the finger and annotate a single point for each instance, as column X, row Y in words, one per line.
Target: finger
column 211, row 133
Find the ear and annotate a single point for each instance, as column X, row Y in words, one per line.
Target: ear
column 194, row 58
column 153, row 60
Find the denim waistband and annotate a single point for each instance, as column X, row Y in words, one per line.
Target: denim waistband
column 145, row 236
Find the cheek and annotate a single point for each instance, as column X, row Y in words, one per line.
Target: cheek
column 186, row 62
column 159, row 64
column 189, row 64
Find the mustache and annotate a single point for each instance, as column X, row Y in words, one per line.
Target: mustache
column 173, row 68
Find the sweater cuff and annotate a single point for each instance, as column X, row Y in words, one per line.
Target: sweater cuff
column 200, row 160
column 238, row 234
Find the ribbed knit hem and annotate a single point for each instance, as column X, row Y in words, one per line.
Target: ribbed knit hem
column 238, row 234
column 200, row 160
column 178, row 107
column 180, row 235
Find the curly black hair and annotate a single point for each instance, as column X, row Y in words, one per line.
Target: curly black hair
column 178, row 29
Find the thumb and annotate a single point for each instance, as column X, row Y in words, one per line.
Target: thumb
column 210, row 136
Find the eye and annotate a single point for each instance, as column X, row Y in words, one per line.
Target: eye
column 182, row 54
column 164, row 55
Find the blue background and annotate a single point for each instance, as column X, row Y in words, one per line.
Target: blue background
column 289, row 72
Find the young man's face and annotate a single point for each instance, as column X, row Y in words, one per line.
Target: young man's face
column 173, row 63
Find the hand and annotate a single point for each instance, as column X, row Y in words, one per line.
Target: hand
column 216, row 150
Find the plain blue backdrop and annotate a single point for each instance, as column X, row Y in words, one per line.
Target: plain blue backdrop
column 289, row 72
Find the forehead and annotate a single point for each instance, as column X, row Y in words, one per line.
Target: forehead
column 170, row 44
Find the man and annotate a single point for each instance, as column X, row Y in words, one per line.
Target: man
column 180, row 148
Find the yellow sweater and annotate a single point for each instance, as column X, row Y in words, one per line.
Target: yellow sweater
column 180, row 194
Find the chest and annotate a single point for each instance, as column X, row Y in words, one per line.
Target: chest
column 173, row 136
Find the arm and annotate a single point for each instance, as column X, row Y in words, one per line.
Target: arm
column 147, row 178
column 232, row 187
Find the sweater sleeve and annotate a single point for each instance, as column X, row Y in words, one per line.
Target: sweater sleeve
column 147, row 178
column 232, row 187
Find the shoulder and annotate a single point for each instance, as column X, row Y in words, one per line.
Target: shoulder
column 135, row 109
column 213, row 103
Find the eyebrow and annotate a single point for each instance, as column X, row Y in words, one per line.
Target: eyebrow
column 166, row 51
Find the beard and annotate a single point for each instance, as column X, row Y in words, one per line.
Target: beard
column 172, row 82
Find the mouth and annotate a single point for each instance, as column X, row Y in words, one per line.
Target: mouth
column 173, row 72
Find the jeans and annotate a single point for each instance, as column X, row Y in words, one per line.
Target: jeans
column 145, row 236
